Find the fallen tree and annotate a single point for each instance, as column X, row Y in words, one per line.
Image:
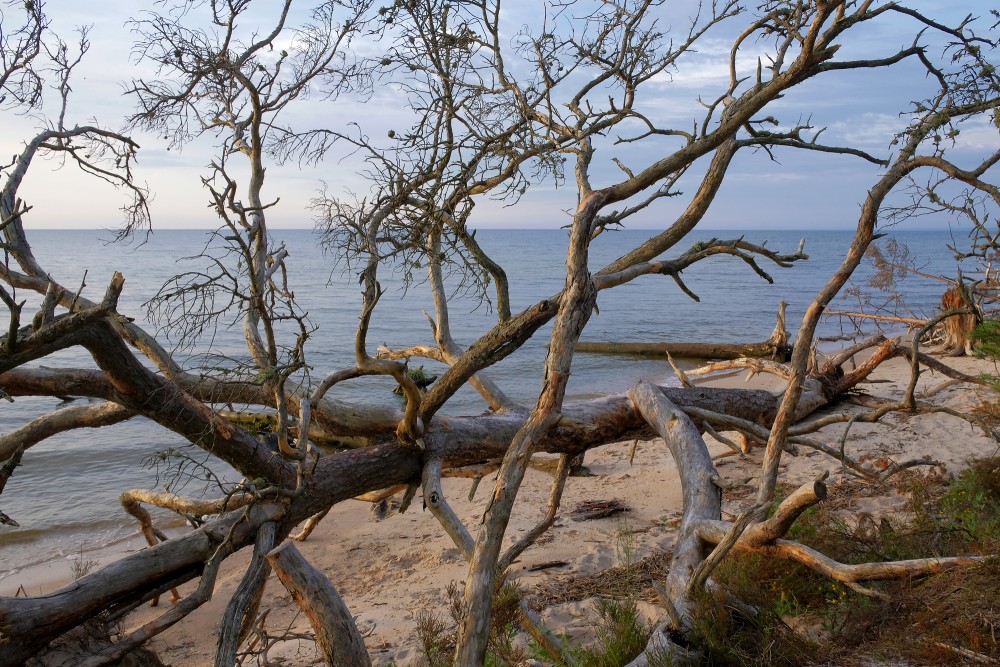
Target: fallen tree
column 454, row 442
column 467, row 140
column 776, row 347
column 679, row 349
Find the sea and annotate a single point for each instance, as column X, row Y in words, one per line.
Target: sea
column 65, row 494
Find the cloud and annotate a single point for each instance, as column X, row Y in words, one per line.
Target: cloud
column 978, row 135
column 865, row 130
column 858, row 108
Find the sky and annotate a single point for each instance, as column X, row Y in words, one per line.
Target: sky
column 796, row 190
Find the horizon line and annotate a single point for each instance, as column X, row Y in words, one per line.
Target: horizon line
column 490, row 229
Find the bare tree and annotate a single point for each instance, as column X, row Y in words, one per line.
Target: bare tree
column 492, row 114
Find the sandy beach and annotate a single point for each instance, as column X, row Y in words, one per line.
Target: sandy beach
column 390, row 570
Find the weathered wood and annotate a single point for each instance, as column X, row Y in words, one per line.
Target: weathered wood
column 613, row 414
column 912, row 321
column 575, row 307
column 692, row 350
column 847, row 573
column 755, row 365
column 450, row 351
column 699, row 486
column 6, row 470
column 790, row 509
column 457, row 441
column 437, row 503
column 267, row 422
column 131, row 500
column 486, row 156
column 60, row 421
column 336, row 633
column 147, row 631
column 776, row 347
column 138, row 388
column 539, row 529
column 237, row 621
column 28, row 623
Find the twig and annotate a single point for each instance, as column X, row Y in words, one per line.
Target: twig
column 726, row 441
column 555, row 497
column 679, row 373
column 76, row 297
column 722, row 549
column 966, row 653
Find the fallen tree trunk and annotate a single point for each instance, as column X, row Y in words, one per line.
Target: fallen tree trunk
column 29, row 623
column 776, row 347
column 696, row 350
column 457, row 441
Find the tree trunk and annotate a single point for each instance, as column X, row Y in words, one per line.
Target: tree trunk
column 336, row 633
column 457, row 441
column 700, row 485
column 696, row 350
column 958, row 328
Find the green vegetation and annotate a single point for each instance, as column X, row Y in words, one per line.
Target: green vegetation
column 773, row 612
column 420, row 377
column 986, row 337
column 437, row 638
column 620, row 632
column 768, row 611
column 986, row 341
column 621, row 635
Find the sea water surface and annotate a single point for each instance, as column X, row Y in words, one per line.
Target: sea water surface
column 65, row 494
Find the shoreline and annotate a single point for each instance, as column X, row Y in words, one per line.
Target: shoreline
column 388, row 571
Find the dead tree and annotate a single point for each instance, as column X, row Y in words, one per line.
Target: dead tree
column 490, row 117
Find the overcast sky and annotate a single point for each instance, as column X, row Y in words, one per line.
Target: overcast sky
column 799, row 191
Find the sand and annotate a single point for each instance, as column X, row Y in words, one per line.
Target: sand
column 390, row 570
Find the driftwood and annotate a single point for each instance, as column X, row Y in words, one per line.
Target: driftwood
column 776, row 347
column 692, row 350
column 597, row 509
column 456, row 441
column 453, row 441
column 418, row 215
column 912, row 321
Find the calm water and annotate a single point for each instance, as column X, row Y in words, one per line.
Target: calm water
column 65, row 494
